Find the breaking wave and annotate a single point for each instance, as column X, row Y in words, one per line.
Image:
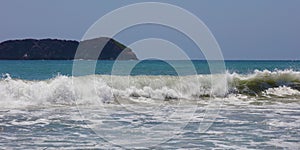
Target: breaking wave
column 87, row 90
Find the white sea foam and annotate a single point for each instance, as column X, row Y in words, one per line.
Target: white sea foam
column 282, row 91
column 94, row 89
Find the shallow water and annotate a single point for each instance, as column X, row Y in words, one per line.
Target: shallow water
column 236, row 126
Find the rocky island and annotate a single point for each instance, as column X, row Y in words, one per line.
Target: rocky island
column 55, row 49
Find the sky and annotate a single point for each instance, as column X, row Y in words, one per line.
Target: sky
column 244, row 29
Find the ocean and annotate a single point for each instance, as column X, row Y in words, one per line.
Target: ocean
column 44, row 105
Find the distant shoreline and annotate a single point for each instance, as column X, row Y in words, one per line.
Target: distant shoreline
column 64, row 49
column 58, row 49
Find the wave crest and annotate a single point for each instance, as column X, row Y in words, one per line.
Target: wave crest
column 94, row 89
column 254, row 84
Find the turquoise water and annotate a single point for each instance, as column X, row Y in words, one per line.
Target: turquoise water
column 43, row 69
column 252, row 105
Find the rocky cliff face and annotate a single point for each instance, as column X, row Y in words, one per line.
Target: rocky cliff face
column 54, row 49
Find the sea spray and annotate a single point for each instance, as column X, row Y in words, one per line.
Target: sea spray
column 95, row 89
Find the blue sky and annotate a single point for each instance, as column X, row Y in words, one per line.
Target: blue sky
column 245, row 29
